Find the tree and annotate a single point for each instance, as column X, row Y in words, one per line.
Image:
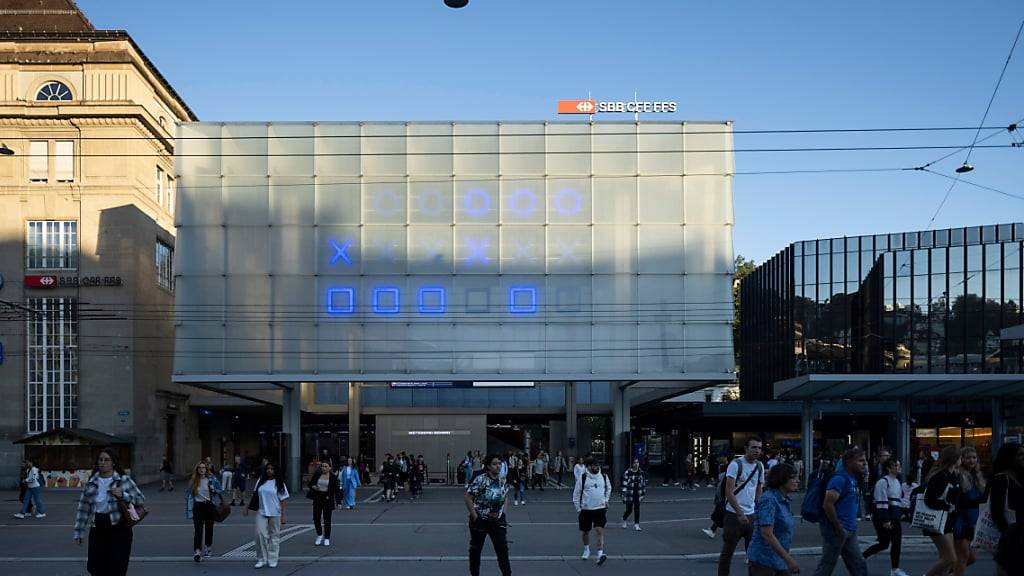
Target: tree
column 743, row 268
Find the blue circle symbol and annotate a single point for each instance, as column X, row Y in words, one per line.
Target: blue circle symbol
column 386, row 203
column 477, row 203
column 522, row 202
column 568, row 202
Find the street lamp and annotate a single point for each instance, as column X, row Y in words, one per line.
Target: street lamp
column 5, row 151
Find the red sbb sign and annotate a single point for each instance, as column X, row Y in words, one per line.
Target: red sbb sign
column 577, row 106
column 40, row 281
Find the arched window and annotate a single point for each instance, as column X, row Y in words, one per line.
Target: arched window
column 53, row 91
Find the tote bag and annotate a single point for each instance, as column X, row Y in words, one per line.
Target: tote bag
column 929, row 519
column 986, row 533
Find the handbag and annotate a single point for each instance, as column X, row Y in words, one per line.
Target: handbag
column 131, row 514
column 986, row 533
column 929, row 519
column 221, row 510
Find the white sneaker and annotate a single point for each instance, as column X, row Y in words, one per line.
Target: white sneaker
column 272, row 564
column 327, row 542
column 515, row 502
column 708, row 532
column 601, row 558
column 586, row 552
column 259, row 564
column 319, row 541
column 40, row 515
column 897, row 572
column 624, row 524
column 637, row 527
column 19, row 515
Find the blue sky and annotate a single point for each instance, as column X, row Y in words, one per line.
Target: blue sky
column 764, row 65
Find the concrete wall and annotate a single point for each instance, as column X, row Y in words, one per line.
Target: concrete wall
column 466, row 432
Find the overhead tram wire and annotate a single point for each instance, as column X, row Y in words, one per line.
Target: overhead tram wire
column 522, row 134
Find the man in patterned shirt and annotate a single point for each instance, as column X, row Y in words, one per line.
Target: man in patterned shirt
column 486, row 501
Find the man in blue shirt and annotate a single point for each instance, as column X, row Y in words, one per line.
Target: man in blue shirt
column 839, row 526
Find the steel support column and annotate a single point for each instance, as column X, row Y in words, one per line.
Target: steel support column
column 570, row 420
column 998, row 426
column 620, row 429
column 807, row 439
column 355, row 406
column 291, row 426
column 903, row 426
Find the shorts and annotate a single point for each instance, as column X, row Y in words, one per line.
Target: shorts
column 592, row 519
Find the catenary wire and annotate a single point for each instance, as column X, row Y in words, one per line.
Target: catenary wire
column 995, row 91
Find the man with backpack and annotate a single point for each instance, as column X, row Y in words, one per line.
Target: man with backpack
column 590, row 496
column 837, row 514
column 744, row 482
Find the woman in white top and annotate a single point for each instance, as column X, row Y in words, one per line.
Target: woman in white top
column 268, row 502
column 33, row 482
column 888, row 499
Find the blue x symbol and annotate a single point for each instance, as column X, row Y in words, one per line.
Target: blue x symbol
column 339, row 252
column 477, row 247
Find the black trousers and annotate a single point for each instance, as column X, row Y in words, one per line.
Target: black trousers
column 887, row 537
column 323, row 508
column 538, row 481
column 634, row 507
column 479, row 530
column 110, row 548
column 202, row 525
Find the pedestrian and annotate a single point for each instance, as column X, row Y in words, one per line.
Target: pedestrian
column 389, row 477
column 199, row 508
column 241, row 476
column 688, row 472
column 466, row 469
column 540, row 467
column 942, row 492
column 325, row 492
column 349, row 477
column 268, row 502
column 364, row 470
column 110, row 540
column 888, row 516
column 166, row 475
column 1006, row 503
column 33, row 490
column 590, row 496
column 516, row 479
column 769, row 550
column 559, row 467
column 578, row 469
column 721, row 465
column 634, row 488
column 417, row 474
column 838, row 526
column 487, row 501
column 227, row 477
column 670, row 472
column 973, row 491
column 744, row 484
column 773, row 460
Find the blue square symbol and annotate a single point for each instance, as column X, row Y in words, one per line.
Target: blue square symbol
column 341, row 300
column 431, row 300
column 522, row 300
column 385, row 300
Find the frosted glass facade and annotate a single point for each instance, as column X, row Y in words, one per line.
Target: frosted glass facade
column 380, row 251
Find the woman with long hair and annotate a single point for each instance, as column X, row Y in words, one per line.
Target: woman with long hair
column 32, row 481
column 1006, row 502
column 268, row 502
column 325, row 492
column 110, row 541
column 349, row 477
column 199, row 508
column 973, row 491
column 942, row 492
column 888, row 500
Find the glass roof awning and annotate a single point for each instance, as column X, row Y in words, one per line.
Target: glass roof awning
column 900, row 386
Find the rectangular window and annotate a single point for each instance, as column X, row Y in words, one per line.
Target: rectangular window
column 164, row 266
column 160, row 186
column 64, row 161
column 170, row 195
column 38, row 161
column 52, row 345
column 51, row 245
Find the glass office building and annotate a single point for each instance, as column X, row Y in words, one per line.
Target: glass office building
column 917, row 302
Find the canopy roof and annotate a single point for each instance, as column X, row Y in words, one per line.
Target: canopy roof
column 898, row 386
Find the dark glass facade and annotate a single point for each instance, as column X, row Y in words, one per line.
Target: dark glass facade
column 913, row 302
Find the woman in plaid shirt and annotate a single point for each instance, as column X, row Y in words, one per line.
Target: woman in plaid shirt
column 110, row 542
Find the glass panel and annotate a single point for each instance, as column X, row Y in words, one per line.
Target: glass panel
column 294, row 330
column 956, row 259
column 476, row 249
column 293, row 249
column 430, row 149
column 246, row 201
column 476, row 201
column 937, row 320
column 244, row 150
column 615, row 201
column 658, row 250
column 291, row 149
column 523, row 200
column 703, row 297
column 338, row 200
column 383, row 150
column 661, row 200
column 568, row 149
column 973, row 235
column 663, row 143
column 292, row 201
column 974, row 261
column 339, row 250
column 569, row 201
column 706, row 249
column 430, row 201
column 430, row 345
column 710, row 351
column 523, row 349
column 615, row 149
column 199, row 150
column 707, row 149
column 573, row 353
column 956, row 237
column 248, row 250
column 522, row 250
column 201, row 250
column 522, row 149
column 384, row 250
column 337, row 150
column 476, row 149
column 568, row 249
column 430, row 250
column 615, row 250
column 942, row 237
column 384, row 201
column 247, row 336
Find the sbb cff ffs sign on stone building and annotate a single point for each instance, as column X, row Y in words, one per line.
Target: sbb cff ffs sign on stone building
column 418, row 251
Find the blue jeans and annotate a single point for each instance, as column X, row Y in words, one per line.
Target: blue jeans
column 32, row 495
column 832, row 548
column 521, row 491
